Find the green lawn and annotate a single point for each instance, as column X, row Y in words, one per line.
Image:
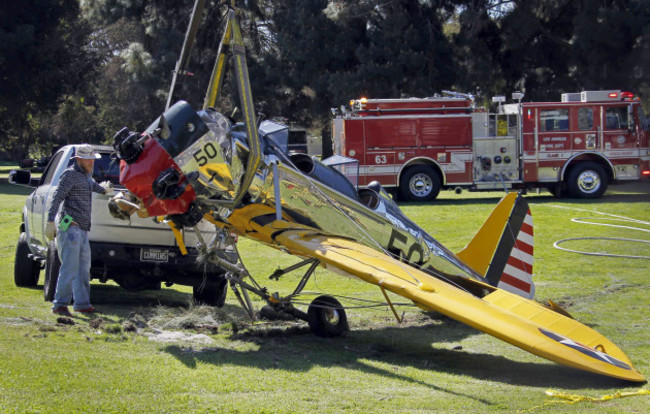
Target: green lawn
column 6, row 166
column 427, row 364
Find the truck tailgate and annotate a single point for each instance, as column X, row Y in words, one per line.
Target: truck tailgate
column 145, row 231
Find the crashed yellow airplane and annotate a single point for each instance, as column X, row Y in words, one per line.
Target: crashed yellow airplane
column 197, row 165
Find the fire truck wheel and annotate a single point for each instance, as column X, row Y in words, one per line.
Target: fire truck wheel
column 587, row 180
column 558, row 189
column 419, row 183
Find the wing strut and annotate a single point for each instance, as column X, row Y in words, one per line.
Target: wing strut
column 399, row 320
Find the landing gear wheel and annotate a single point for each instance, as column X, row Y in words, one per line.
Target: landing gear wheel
column 211, row 292
column 52, row 265
column 419, row 183
column 26, row 270
column 326, row 317
column 587, row 180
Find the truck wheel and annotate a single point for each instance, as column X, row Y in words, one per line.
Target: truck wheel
column 326, row 317
column 211, row 292
column 26, row 270
column 52, row 265
column 587, row 180
column 419, row 183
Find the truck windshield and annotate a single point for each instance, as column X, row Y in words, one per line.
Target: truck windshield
column 107, row 169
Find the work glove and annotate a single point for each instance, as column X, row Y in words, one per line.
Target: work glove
column 50, row 230
column 108, row 187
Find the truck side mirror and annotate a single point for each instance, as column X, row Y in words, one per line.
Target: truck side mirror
column 20, row 177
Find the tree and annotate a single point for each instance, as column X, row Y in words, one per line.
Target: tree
column 546, row 47
column 406, row 53
column 66, row 78
column 478, row 50
column 328, row 52
column 43, row 55
column 138, row 42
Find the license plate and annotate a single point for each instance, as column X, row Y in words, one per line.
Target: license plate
column 154, row 255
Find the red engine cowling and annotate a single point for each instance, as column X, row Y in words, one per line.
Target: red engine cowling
column 139, row 176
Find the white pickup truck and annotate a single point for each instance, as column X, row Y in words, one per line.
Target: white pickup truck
column 139, row 254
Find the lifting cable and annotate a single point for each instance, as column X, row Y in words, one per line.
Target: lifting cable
column 593, row 221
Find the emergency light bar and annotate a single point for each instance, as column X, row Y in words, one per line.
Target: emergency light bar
column 623, row 95
column 359, row 103
column 603, row 96
column 599, row 96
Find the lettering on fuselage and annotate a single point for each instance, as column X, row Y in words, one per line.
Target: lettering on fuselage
column 397, row 246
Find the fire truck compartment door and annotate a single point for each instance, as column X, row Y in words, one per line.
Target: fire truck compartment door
column 496, row 160
column 389, row 133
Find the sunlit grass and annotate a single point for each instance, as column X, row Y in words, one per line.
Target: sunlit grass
column 426, row 364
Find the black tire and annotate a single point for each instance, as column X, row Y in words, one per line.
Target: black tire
column 52, row 266
column 26, row 270
column 558, row 190
column 587, row 180
column 326, row 317
column 211, row 292
column 419, row 183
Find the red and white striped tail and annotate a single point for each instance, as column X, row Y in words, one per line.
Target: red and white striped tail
column 517, row 275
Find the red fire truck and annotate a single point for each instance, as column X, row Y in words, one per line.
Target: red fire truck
column 420, row 146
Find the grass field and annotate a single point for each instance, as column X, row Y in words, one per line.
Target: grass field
column 224, row 363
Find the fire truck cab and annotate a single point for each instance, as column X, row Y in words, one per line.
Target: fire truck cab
column 420, row 146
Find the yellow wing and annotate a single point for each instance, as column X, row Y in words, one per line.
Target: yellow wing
column 507, row 316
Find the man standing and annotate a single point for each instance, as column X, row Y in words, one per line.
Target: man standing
column 75, row 191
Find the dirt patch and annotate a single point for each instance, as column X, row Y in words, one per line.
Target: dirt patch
column 271, row 330
column 96, row 323
column 177, row 336
column 199, row 318
column 129, row 326
column 64, row 320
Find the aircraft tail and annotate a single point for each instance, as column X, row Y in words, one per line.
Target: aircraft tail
column 502, row 250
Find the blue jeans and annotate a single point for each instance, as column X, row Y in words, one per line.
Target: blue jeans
column 74, row 274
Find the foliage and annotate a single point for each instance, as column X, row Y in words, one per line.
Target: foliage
column 546, row 47
column 79, row 70
column 42, row 57
column 383, row 49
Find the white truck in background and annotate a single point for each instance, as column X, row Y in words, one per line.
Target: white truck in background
column 138, row 254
